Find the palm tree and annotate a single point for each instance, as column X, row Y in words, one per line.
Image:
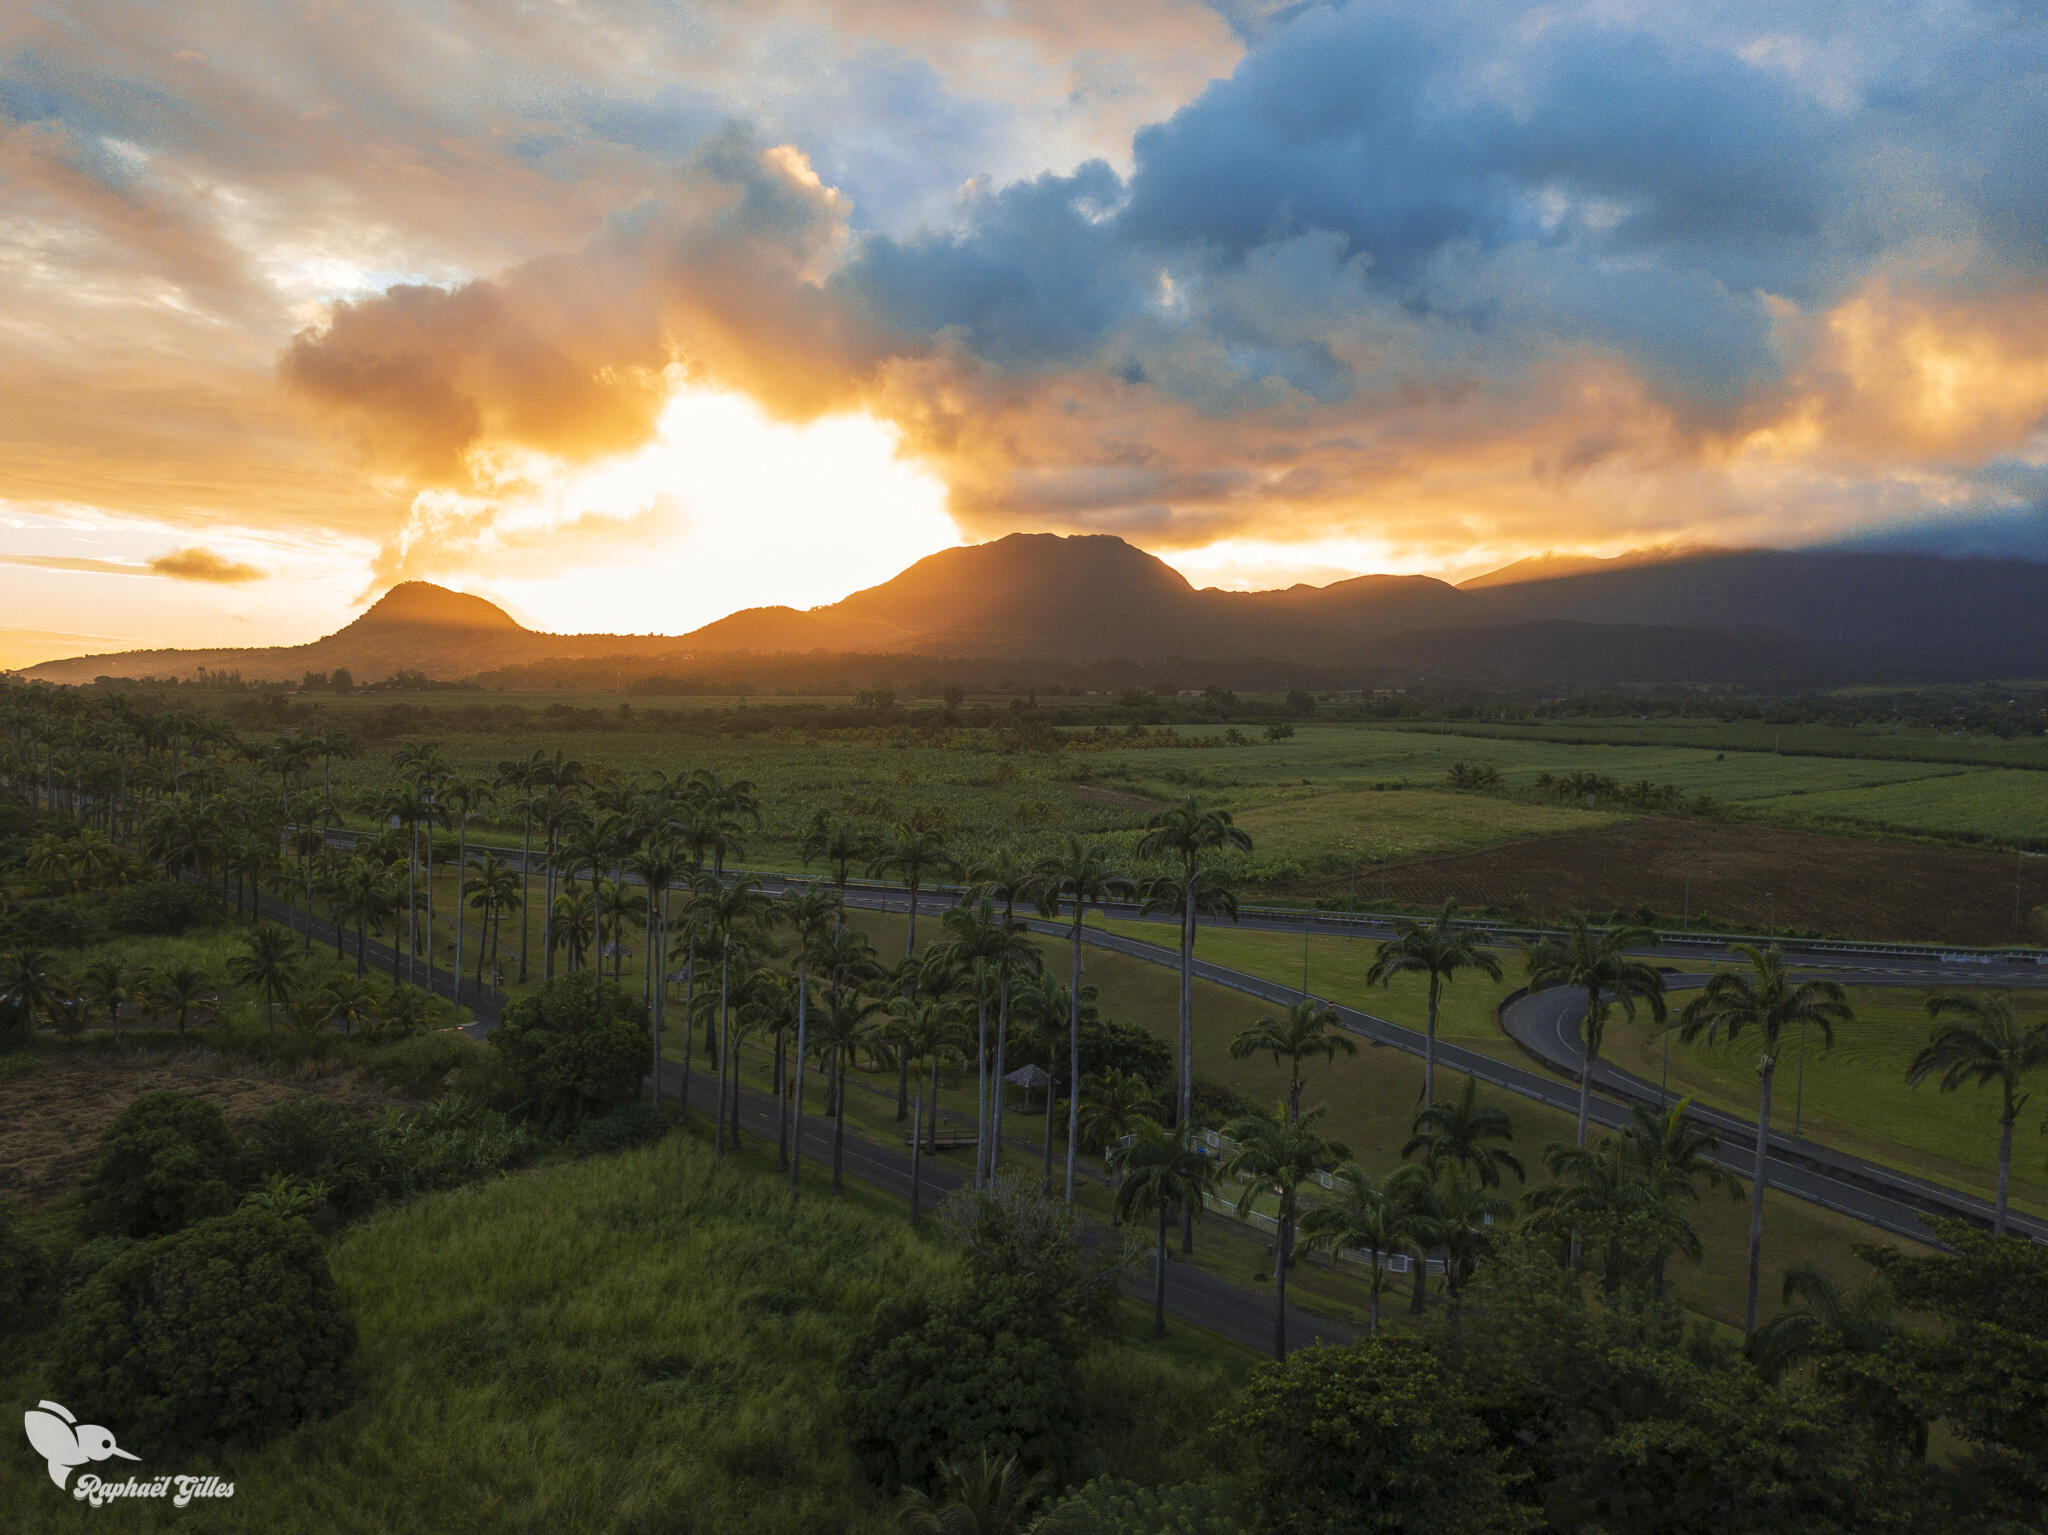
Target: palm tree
column 1186, row 834
column 32, row 985
column 986, row 949
column 927, row 1031
column 1465, row 1213
column 1309, row 1028
column 524, row 776
column 1768, row 1002
column 914, row 850
column 1978, row 1041
column 723, row 913
column 1083, row 876
column 410, row 1009
column 1437, row 949
column 841, row 1026
column 1596, row 962
column 185, row 993
column 806, row 910
column 1116, row 1101
column 574, row 919
column 841, row 845
column 1673, row 1156
column 364, row 894
column 1278, row 1159
column 495, row 891
column 978, row 1497
column 1379, row 1219
column 1457, row 1133
column 1822, row 1317
column 106, row 983
column 350, row 1001
column 1165, row 1171
column 463, row 797
column 592, row 843
column 270, row 967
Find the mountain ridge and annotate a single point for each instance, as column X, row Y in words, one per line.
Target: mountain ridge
column 1852, row 615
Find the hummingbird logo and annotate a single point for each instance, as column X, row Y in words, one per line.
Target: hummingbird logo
column 66, row 1443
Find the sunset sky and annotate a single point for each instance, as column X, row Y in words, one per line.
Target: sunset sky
column 628, row 315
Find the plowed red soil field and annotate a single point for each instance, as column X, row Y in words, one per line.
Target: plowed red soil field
column 1739, row 875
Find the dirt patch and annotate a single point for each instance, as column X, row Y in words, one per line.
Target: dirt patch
column 1116, row 799
column 51, row 1115
column 1740, row 875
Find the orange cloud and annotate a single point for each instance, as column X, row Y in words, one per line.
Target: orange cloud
column 196, row 564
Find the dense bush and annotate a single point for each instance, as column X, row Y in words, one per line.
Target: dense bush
column 1371, row 1437
column 166, row 1161
column 575, row 1047
column 24, row 1275
column 230, row 1331
column 1112, row 1506
column 440, row 1059
column 160, row 908
column 67, row 923
column 627, row 1126
column 323, row 1144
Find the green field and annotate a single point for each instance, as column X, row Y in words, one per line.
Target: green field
column 689, row 1380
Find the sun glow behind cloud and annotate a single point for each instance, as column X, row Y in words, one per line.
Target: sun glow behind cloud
column 725, row 509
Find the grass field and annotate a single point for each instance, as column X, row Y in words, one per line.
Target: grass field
column 1903, row 742
column 644, row 1342
column 1855, row 1098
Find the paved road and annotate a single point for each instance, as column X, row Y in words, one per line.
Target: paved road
column 1549, row 1026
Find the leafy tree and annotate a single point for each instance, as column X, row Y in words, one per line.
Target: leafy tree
column 1373, row 1437
column 24, row 1272
column 166, row 1161
column 1766, row 1001
column 1977, row 1040
column 1437, row 950
column 232, row 1331
column 573, row 1048
column 1112, row 1506
column 1307, row 1028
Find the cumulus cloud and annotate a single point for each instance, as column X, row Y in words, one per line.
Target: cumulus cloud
column 197, row 564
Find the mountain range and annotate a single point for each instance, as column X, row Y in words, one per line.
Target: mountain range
column 1704, row 616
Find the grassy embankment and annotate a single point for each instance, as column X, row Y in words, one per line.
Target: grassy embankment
column 638, row 1342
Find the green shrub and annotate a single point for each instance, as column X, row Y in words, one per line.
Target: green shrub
column 1112, row 1506
column 575, row 1047
column 627, row 1126
column 929, row 1383
column 452, row 1140
column 318, row 1142
column 230, row 1331
column 166, row 1161
column 24, row 1276
column 160, row 908
column 68, row 923
column 428, row 1063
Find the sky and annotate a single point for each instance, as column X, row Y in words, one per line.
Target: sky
column 631, row 314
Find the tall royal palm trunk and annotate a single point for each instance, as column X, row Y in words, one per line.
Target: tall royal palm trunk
column 1282, row 1245
column 1187, row 1042
column 525, row 889
column 1767, row 1070
column 803, row 1019
column 995, row 1127
column 1159, row 1277
column 461, row 870
column 1073, row 1063
column 724, row 1050
column 1429, row 1043
column 2004, row 1169
column 980, row 1088
column 916, row 1163
column 1586, row 1061
column 838, row 1121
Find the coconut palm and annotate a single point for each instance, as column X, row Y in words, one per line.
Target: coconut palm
column 1457, row 1134
column 270, row 966
column 983, row 1496
column 1978, row 1041
column 350, row 1001
column 364, row 894
column 1766, row 1001
column 106, row 983
column 1307, row 1028
column 1466, row 1212
column 1438, row 950
column 1380, row 1219
column 185, row 993
column 575, row 920
column 31, row 985
column 1114, row 1103
column 1821, row 1317
column 1673, row 1154
column 1081, row 875
column 1164, row 1171
column 927, row 1032
column 408, row 1010
column 1280, row 1159
column 1187, row 834
column 494, row 891
column 724, row 913
column 1596, row 962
